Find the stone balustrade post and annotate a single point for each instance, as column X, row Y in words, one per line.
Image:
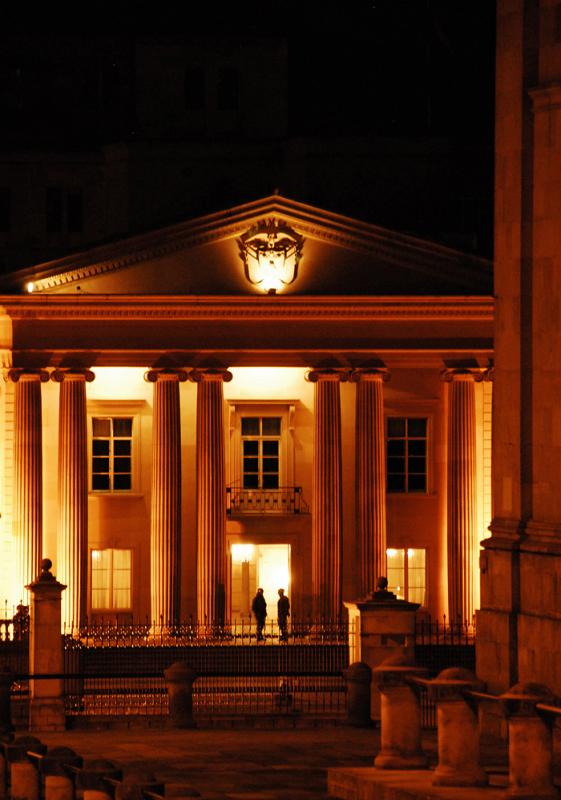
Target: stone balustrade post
column 358, row 678
column 327, row 518
column 530, row 743
column 54, row 767
column 400, row 736
column 46, row 656
column 179, row 682
column 370, row 475
column 211, row 496
column 458, row 729
column 165, row 519
column 72, row 554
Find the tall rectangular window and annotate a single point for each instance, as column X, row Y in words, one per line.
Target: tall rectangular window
column 407, row 454
column 111, row 579
column 406, row 573
column 112, row 454
column 261, row 452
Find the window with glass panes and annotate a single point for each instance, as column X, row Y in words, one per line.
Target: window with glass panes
column 111, row 454
column 261, row 452
column 407, row 454
column 406, row 573
column 111, row 579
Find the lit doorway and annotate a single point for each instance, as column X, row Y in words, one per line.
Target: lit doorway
column 258, row 565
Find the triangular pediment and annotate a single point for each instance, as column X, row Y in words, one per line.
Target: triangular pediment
column 339, row 256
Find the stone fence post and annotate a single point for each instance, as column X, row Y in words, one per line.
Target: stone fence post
column 530, row 742
column 46, row 656
column 458, row 729
column 400, row 736
column 179, row 681
column 358, row 678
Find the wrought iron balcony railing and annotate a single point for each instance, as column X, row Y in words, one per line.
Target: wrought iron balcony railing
column 284, row 500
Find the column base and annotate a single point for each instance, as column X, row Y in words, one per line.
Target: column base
column 395, row 760
column 447, row 776
column 47, row 714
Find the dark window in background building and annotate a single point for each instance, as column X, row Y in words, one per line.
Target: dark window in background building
column 64, row 210
column 228, row 89
column 5, row 209
column 407, row 454
column 194, row 89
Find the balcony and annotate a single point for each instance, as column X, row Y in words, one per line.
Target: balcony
column 284, row 500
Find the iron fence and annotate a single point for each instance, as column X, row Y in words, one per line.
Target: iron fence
column 442, row 643
column 118, row 669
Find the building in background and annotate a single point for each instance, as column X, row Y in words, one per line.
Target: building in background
column 273, row 395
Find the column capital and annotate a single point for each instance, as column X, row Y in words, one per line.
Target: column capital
column 219, row 374
column 73, row 374
column 476, row 374
column 369, row 374
column 23, row 374
column 166, row 374
column 336, row 375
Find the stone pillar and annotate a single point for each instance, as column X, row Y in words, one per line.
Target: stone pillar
column 358, row 678
column 463, row 545
column 179, row 682
column 370, row 475
column 46, row 707
column 530, row 743
column 165, row 521
column 72, row 555
column 28, row 476
column 458, row 729
column 327, row 519
column 24, row 781
column 211, row 496
column 400, row 735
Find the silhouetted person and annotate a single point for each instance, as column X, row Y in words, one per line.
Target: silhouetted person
column 283, row 613
column 259, row 608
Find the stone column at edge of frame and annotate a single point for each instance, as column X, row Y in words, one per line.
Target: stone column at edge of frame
column 327, row 519
column 165, row 510
column 28, row 476
column 211, row 496
column 461, row 492
column 72, row 551
column 370, row 475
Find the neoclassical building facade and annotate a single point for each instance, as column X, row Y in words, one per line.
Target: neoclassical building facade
column 270, row 396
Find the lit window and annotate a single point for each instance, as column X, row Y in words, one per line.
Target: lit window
column 406, row 573
column 111, row 454
column 261, row 452
column 407, row 454
column 111, row 579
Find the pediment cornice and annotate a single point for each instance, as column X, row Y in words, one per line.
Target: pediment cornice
column 311, row 222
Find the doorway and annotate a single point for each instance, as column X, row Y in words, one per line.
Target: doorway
column 258, row 565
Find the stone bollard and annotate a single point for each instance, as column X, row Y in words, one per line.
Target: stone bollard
column 6, row 680
column 135, row 782
column 400, row 746
column 358, row 677
column 91, row 779
column 24, row 781
column 55, row 768
column 179, row 681
column 530, row 743
column 458, row 729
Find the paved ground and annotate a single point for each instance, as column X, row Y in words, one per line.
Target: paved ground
column 244, row 764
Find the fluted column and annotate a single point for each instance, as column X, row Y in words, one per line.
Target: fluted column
column 72, row 549
column 461, row 493
column 165, row 518
column 370, row 476
column 327, row 542
column 28, row 476
column 211, row 496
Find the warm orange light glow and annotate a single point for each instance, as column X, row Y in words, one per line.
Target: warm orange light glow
column 242, row 553
column 30, row 286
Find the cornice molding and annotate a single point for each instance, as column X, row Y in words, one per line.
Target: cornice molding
column 336, row 229
column 222, row 308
